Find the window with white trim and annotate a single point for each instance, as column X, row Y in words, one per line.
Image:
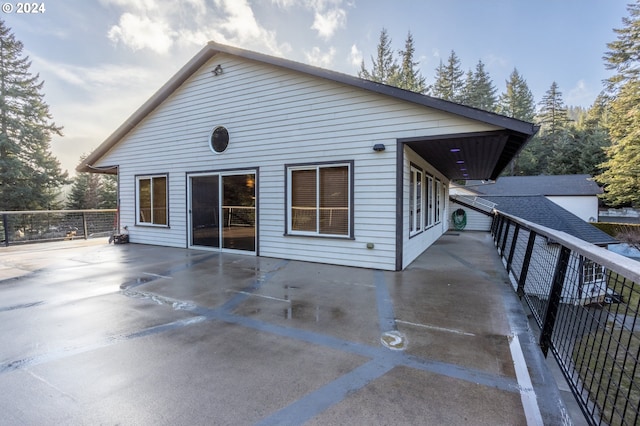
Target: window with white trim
column 152, row 200
column 430, row 202
column 415, row 201
column 319, row 199
column 438, row 200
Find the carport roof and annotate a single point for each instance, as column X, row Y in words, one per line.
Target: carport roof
column 487, row 153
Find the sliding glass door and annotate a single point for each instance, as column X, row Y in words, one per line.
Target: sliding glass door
column 223, row 211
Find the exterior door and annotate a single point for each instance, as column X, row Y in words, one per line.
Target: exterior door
column 223, row 211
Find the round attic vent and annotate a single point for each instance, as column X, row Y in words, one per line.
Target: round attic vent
column 219, row 139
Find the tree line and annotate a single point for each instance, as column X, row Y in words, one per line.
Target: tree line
column 602, row 140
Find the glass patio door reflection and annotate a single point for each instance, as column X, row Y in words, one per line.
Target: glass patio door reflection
column 223, row 211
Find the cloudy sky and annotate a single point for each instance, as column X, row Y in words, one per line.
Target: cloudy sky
column 101, row 59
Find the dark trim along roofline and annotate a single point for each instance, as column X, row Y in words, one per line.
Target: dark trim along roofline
column 212, row 49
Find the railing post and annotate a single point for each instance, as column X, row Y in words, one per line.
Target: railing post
column 514, row 240
column 5, row 224
column 554, row 299
column 499, row 232
column 525, row 263
column 506, row 236
column 84, row 226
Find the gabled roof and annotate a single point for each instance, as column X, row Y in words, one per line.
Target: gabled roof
column 558, row 185
column 517, row 132
column 538, row 209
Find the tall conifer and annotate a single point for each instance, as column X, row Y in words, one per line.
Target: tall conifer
column 29, row 173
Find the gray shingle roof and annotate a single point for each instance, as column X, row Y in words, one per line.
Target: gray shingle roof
column 538, row 209
column 559, row 185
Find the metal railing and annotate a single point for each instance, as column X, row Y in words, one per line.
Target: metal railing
column 474, row 201
column 49, row 225
column 585, row 299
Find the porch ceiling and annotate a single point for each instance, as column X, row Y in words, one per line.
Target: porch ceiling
column 471, row 155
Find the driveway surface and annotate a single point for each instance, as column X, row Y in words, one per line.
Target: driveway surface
column 92, row 333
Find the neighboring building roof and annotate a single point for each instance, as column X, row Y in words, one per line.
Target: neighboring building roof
column 538, row 209
column 558, row 185
column 515, row 135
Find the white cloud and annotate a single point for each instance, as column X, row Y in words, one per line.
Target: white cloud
column 327, row 22
column 140, row 32
column 318, row 58
column 355, row 57
column 580, row 95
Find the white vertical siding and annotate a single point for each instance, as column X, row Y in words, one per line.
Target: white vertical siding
column 276, row 117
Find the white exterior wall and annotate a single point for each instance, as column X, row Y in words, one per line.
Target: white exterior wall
column 414, row 245
column 275, row 117
column 476, row 221
column 585, row 207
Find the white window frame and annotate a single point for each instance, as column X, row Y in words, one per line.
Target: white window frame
column 438, row 202
column 416, row 200
column 430, row 202
column 151, row 220
column 290, row 169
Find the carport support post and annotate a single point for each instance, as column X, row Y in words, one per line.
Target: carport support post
column 5, row 225
column 554, row 299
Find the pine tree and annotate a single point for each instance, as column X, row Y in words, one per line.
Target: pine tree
column 553, row 112
column 384, row 66
column 517, row 101
column 408, row 77
column 479, row 91
column 621, row 175
column 85, row 192
column 30, row 175
column 449, row 81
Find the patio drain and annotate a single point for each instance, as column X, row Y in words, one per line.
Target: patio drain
column 394, row 340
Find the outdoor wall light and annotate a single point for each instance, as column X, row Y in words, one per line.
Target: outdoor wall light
column 379, row 147
column 217, row 70
column 455, row 150
column 460, row 162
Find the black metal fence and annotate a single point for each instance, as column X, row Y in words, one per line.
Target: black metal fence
column 586, row 301
column 30, row 226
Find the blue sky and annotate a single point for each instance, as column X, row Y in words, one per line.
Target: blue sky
column 101, row 59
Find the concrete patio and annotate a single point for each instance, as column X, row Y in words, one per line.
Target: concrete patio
column 92, row 333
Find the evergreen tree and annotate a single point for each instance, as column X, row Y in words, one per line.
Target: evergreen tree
column 109, row 192
column 479, row 91
column 449, row 81
column 384, row 66
column 85, row 192
column 92, row 191
column 517, row 100
column 408, row 77
column 621, row 175
column 623, row 55
column 29, row 173
column 553, row 115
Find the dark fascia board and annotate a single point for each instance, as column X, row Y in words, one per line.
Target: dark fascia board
column 213, row 48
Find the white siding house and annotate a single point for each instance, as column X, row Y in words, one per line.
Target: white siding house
column 313, row 165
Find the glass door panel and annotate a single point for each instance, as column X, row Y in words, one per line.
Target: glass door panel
column 239, row 212
column 205, row 211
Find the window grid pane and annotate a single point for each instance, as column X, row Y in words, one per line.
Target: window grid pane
column 303, row 200
column 144, row 197
column 160, row 200
column 334, row 200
